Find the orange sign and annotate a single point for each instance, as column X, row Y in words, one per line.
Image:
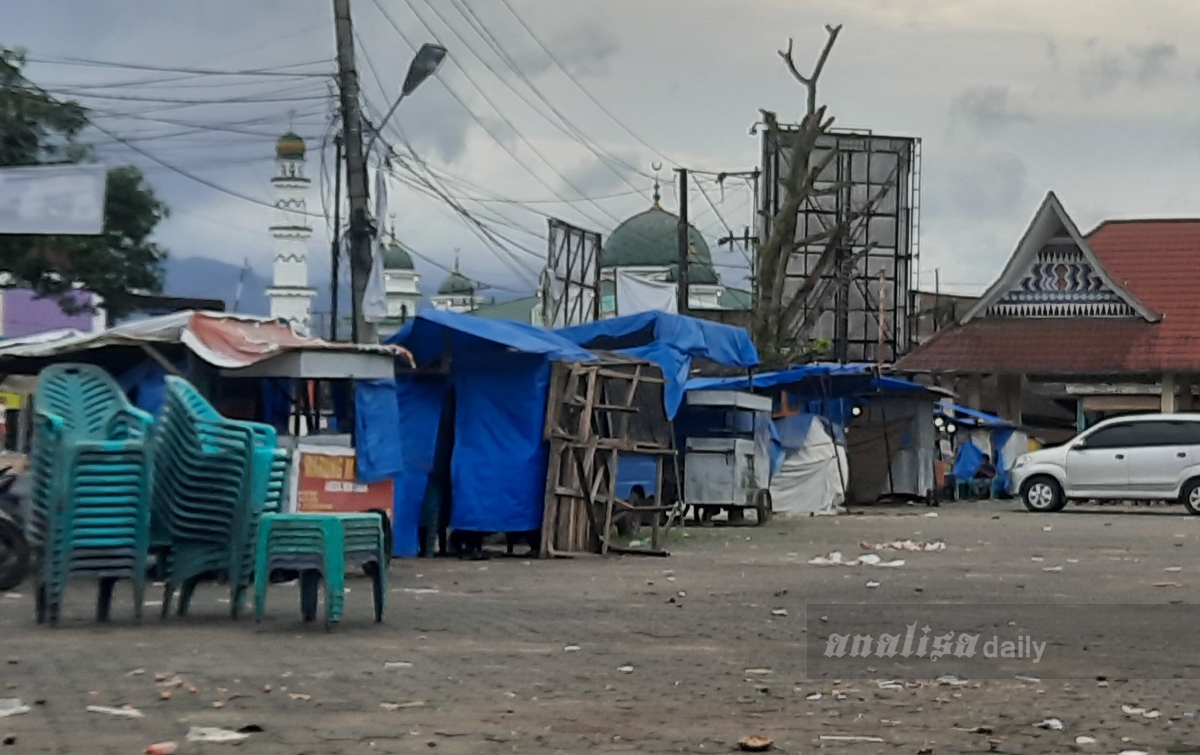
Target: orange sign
column 324, row 481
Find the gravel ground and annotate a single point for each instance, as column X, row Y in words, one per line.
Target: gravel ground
column 480, row 661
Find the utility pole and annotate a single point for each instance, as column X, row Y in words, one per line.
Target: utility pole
column 336, row 251
column 356, row 171
column 681, row 280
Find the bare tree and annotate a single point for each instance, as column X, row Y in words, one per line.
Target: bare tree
column 779, row 330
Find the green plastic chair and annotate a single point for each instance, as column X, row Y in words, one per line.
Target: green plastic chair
column 90, row 467
column 321, row 546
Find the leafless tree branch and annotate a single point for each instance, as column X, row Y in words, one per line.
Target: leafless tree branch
column 810, row 82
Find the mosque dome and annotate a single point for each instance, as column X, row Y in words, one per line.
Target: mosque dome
column 396, row 257
column 457, row 284
column 290, row 147
column 650, row 239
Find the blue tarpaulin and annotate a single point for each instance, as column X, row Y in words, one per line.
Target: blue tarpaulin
column 966, row 417
column 500, row 373
column 671, row 342
column 967, row 461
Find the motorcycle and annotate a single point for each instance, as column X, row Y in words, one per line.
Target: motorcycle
column 15, row 553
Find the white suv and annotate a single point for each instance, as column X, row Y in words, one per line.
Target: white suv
column 1146, row 457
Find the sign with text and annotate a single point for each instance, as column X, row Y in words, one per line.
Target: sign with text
column 56, row 199
column 323, row 480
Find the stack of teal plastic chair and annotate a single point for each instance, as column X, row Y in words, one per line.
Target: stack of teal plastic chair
column 213, row 479
column 90, row 468
column 321, row 545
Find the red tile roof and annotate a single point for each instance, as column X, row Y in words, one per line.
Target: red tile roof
column 1158, row 261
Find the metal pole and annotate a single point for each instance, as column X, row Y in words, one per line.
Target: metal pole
column 356, row 171
column 681, row 280
column 335, row 252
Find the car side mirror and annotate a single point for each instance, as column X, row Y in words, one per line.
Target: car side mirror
column 1080, row 445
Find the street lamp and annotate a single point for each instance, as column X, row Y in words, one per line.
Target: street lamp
column 423, row 65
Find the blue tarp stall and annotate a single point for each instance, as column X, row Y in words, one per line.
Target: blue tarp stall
column 499, row 372
column 980, row 434
column 891, row 444
column 670, row 341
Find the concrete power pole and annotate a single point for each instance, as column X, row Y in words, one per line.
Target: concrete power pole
column 681, row 279
column 356, row 172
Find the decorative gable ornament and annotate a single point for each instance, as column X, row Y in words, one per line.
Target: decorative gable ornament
column 1054, row 273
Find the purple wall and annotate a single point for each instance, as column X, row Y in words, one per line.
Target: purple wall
column 25, row 314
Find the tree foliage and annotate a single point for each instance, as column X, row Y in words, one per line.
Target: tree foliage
column 36, row 129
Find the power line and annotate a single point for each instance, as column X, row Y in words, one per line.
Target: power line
column 272, row 71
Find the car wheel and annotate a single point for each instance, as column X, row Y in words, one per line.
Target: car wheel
column 1190, row 496
column 14, row 554
column 763, row 505
column 1042, row 494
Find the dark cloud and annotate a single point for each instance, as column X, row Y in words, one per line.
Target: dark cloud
column 606, row 176
column 985, row 110
column 1100, row 73
column 976, row 185
column 1153, row 61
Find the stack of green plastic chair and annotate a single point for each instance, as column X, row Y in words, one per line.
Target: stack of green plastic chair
column 90, row 467
column 321, row 545
column 213, row 478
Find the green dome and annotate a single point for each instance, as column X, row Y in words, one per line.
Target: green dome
column 457, row 284
column 396, row 257
column 290, row 147
column 650, row 239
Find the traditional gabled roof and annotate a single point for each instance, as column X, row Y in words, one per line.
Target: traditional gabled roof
column 1055, row 273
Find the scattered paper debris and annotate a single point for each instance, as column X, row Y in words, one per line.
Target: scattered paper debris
column 215, row 735
column 1152, row 714
column 126, row 712
column 1037, row 559
column 1173, row 568
column 1132, row 710
column 136, row 672
column 831, row 559
column 161, row 748
column 1052, row 568
column 1047, row 528
column 930, row 515
column 872, row 584
column 396, row 664
column 912, row 546
column 402, row 706
column 850, row 737
column 891, row 684
column 758, row 671
column 1053, row 724
column 869, row 559
column 814, row 697
column 779, row 612
column 1072, row 560
column 950, row 680
column 1082, row 740
column 571, row 649
column 299, row 696
column 1029, row 679
column 12, row 706
column 755, row 743
column 625, row 669
column 1167, row 584
column 1134, row 752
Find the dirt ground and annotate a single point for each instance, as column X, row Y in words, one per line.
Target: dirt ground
column 479, row 661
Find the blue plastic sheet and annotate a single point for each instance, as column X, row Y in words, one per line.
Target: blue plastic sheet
column 967, row 417
column 967, row 461
column 419, row 408
column 999, row 438
column 147, row 383
column 377, row 445
column 499, row 463
column 430, row 332
column 671, row 342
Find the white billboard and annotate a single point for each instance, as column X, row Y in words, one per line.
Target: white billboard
column 52, row 199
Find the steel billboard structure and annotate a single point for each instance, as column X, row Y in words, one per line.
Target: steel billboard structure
column 571, row 280
column 873, row 185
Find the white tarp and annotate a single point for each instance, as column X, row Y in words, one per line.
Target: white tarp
column 637, row 294
column 374, row 303
column 811, row 480
column 57, row 199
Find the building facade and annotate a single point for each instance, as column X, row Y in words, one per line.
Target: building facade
column 1080, row 327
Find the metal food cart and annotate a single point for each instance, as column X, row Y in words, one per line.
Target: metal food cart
column 727, row 460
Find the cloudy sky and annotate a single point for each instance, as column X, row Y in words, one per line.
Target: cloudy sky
column 562, row 107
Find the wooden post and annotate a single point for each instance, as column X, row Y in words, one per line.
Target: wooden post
column 975, row 391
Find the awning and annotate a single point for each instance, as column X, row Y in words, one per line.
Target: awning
column 240, row 345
